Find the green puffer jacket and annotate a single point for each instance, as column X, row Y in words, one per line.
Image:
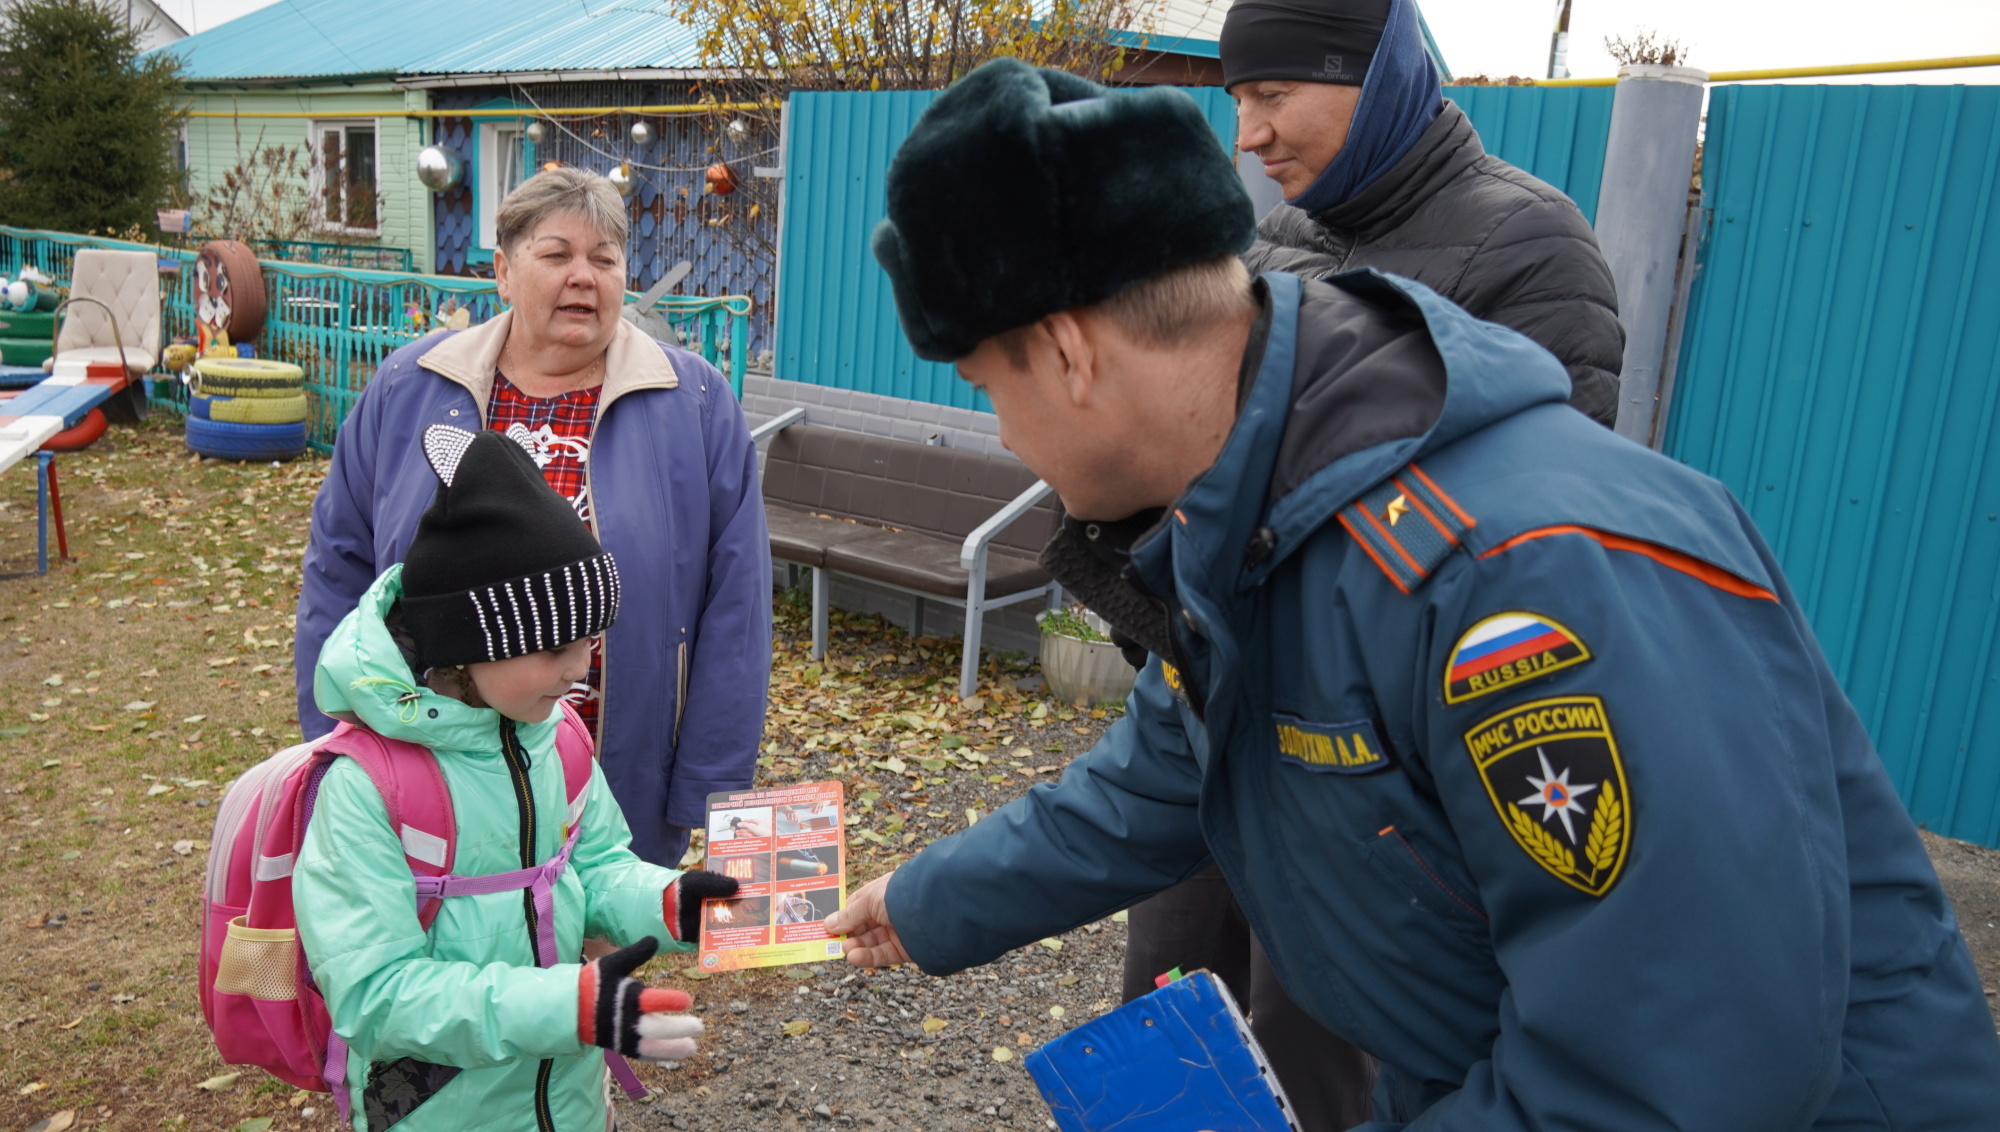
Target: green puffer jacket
column 457, row 1028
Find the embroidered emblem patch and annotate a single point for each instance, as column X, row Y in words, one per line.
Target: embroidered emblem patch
column 1552, row 769
column 1507, row 649
column 1172, row 676
column 1330, row 748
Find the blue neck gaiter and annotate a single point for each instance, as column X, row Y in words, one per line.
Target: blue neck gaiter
column 1399, row 100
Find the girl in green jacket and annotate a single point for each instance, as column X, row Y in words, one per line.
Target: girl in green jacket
column 466, row 648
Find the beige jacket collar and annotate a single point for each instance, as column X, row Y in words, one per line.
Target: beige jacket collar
column 633, row 361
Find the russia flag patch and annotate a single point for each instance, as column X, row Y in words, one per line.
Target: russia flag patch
column 1508, row 649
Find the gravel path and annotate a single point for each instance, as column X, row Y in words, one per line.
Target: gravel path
column 875, row 1054
column 179, row 610
column 867, row 1058
column 1971, row 875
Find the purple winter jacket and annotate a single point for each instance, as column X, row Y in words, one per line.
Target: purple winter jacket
column 674, row 498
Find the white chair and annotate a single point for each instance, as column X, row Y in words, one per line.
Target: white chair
column 113, row 311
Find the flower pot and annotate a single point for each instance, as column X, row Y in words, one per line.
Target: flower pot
column 1085, row 673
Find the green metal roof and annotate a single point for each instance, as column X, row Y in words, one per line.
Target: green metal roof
column 339, row 38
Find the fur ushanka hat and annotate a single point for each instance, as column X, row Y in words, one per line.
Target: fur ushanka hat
column 1025, row 191
column 500, row 566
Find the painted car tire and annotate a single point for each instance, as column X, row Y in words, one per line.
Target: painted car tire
column 227, row 272
column 247, row 377
column 28, row 324
column 24, row 351
column 80, row 437
column 229, row 440
column 248, row 410
column 248, row 367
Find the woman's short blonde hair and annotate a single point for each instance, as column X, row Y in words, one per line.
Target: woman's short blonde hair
column 576, row 191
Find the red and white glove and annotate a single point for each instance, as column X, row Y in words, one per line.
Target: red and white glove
column 680, row 904
column 621, row 1014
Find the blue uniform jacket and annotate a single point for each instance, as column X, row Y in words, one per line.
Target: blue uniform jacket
column 1526, row 769
column 675, row 499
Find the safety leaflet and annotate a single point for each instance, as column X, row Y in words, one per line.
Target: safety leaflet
column 784, row 847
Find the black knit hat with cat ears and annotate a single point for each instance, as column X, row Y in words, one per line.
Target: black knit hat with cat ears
column 500, row 566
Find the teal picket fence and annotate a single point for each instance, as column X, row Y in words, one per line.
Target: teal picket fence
column 338, row 323
column 1841, row 373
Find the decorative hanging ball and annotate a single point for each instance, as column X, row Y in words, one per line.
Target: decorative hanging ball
column 536, row 132
column 439, row 168
column 737, row 129
column 623, row 179
column 641, row 133
column 721, row 179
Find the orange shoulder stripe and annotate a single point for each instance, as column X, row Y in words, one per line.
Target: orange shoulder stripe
column 1666, row 556
column 1370, row 552
column 1448, row 500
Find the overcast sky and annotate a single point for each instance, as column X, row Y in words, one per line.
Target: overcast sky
column 1511, row 37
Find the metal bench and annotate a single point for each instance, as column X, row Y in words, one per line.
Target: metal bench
column 940, row 524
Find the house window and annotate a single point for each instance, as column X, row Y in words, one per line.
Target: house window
column 503, row 161
column 346, row 197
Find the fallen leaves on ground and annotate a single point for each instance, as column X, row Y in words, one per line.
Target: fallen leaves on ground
column 148, row 731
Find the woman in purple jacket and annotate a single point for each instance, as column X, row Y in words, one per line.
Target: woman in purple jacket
column 649, row 444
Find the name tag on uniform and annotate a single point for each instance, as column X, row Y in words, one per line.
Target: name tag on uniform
column 1330, row 748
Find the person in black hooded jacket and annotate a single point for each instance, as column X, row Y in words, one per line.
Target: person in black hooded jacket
column 1341, row 102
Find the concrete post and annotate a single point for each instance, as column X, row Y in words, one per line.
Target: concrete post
column 1641, row 212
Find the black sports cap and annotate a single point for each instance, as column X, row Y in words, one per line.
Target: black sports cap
column 1315, row 41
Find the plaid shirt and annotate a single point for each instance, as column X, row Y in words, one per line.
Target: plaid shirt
column 556, row 432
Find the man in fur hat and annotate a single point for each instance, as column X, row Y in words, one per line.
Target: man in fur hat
column 1340, row 102
column 1506, row 732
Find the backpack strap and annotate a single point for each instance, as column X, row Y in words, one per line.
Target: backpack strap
column 414, row 792
column 579, row 757
column 578, row 752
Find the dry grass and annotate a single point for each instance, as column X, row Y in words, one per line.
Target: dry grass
column 180, row 601
column 171, row 636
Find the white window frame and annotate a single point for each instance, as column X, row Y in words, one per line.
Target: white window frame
column 492, row 175
column 317, row 173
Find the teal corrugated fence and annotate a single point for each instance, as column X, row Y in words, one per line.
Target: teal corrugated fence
column 1555, row 133
column 836, row 318
column 1840, row 372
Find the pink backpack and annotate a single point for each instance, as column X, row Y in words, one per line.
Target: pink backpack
column 256, row 991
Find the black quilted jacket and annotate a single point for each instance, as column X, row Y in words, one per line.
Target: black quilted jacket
column 1489, row 237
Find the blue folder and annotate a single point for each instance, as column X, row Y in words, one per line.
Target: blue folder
column 1181, row 1059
